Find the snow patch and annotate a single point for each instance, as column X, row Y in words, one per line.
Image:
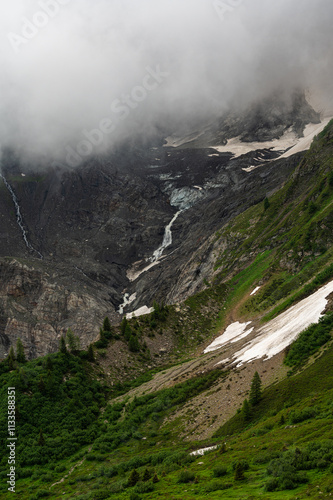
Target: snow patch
column 283, row 330
column 202, row 451
column 140, row 312
column 255, row 290
column 233, row 333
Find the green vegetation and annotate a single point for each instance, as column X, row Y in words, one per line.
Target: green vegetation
column 310, row 341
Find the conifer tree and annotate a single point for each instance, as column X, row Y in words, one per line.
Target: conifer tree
column 91, row 355
column 255, row 391
column 146, row 475
column 246, row 411
column 239, row 472
column 134, row 478
column 123, row 325
column 20, row 354
column 106, row 325
column 133, row 344
column 11, row 358
column 155, row 478
column 73, row 341
column 41, row 440
column 41, row 385
column 49, row 364
column 62, row 346
column 266, row 204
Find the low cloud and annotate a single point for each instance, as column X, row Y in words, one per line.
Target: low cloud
column 76, row 72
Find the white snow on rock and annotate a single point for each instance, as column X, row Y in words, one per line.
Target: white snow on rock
column 255, row 290
column 283, row 330
column 202, row 451
column 139, row 312
column 233, row 333
column 304, row 143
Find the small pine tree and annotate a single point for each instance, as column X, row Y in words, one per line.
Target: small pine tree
column 155, row 478
column 134, row 478
column 282, row 420
column 49, row 364
column 91, row 354
column 123, row 325
column 62, row 345
column 20, row 354
column 11, row 358
column 72, row 341
column 146, row 475
column 239, row 472
column 107, row 325
column 246, row 411
column 127, row 333
column 255, row 391
column 102, row 337
column 223, row 448
column 41, row 385
column 266, row 204
column 41, row 440
column 133, row 344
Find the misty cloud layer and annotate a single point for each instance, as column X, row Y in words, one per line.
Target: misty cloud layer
column 102, row 70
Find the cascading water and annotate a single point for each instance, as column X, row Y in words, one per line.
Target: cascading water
column 167, row 240
column 19, row 218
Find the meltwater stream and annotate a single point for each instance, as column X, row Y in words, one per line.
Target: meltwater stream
column 167, row 240
column 19, row 219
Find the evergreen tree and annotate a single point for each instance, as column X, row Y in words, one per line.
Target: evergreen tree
column 123, row 325
column 134, row 478
column 49, row 364
column 20, row 354
column 133, row 344
column 73, row 341
column 106, row 325
column 11, row 358
column 246, row 411
column 127, row 333
column 91, row 355
column 239, row 472
column 62, row 345
column 223, row 448
column 23, row 380
column 41, row 440
column 155, row 478
column 41, row 385
column 146, row 475
column 255, row 391
column 266, row 204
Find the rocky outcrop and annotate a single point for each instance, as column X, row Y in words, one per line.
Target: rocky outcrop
column 38, row 308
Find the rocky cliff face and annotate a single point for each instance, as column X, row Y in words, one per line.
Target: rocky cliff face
column 88, row 228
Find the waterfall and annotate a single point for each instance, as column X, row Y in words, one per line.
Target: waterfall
column 19, row 218
column 167, row 240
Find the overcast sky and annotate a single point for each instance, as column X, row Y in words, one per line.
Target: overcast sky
column 72, row 66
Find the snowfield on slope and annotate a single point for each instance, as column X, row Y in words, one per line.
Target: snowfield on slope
column 278, row 333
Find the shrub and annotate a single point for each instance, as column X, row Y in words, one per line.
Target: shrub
column 219, row 471
column 217, row 485
column 186, row 476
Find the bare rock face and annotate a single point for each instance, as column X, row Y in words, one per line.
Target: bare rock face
column 38, row 310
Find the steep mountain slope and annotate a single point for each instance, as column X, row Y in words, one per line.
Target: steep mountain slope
column 89, row 233
column 118, row 430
